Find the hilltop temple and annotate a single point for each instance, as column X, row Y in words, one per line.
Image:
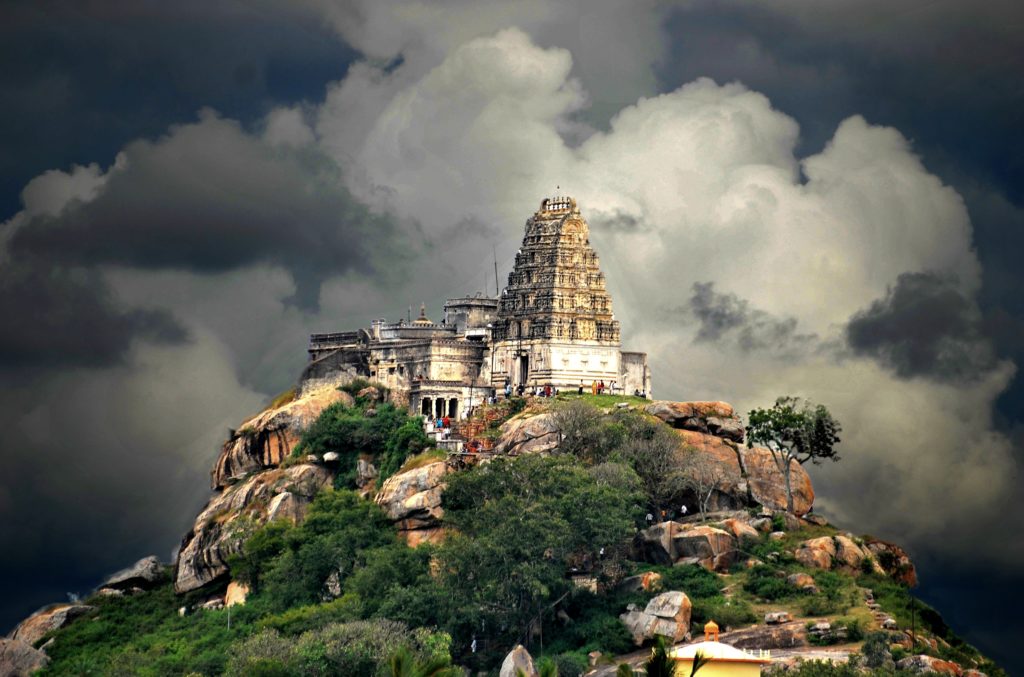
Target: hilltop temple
column 552, row 326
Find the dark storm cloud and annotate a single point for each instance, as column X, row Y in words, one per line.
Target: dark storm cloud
column 58, row 318
column 208, row 198
column 944, row 72
column 924, row 327
column 727, row 317
column 82, row 79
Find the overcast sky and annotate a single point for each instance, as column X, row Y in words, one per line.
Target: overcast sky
column 818, row 199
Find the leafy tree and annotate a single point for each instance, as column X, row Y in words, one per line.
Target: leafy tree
column 702, row 476
column 522, row 523
column 653, row 451
column 794, row 430
column 339, row 531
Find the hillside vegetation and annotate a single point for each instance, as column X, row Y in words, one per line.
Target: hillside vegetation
column 538, row 549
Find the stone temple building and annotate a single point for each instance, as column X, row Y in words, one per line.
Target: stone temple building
column 552, row 326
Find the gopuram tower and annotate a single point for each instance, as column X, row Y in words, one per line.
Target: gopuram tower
column 555, row 324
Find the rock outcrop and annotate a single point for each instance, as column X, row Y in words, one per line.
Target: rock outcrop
column 267, row 439
column 715, row 418
column 709, row 547
column 748, row 476
column 221, row 528
column 779, row 636
column 518, row 663
column 54, row 617
column 528, row 434
column 838, row 552
column 144, row 574
column 894, row 560
column 928, row 664
column 675, row 543
column 667, row 615
column 19, row 659
column 412, row 500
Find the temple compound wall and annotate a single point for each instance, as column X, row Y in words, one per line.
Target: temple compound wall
column 552, row 326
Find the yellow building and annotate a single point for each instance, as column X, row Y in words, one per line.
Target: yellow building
column 725, row 660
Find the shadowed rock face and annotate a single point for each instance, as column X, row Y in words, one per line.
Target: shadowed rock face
column 265, row 440
column 221, row 528
column 675, row 543
column 143, row 574
column 18, row 659
column 32, row 629
column 894, row 560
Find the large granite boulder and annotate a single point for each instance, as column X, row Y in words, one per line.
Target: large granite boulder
column 19, row 659
column 222, row 527
column 412, row 500
column 835, row 552
column 144, row 574
column 741, row 530
column 893, row 560
column 267, row 439
column 518, row 663
column 655, row 543
column 802, row 581
column 749, row 476
column 715, row 418
column 676, row 543
column 709, row 547
column 528, row 434
column 849, row 555
column 819, row 553
column 50, row 618
column 926, row 664
column 667, row 615
column 780, row 636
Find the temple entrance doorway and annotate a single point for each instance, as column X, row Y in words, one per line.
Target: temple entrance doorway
column 524, row 369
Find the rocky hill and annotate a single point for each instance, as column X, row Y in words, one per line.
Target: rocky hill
column 640, row 547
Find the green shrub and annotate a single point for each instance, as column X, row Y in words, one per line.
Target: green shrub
column 876, row 651
column 696, row 581
column 355, row 385
column 571, row 664
column 727, row 613
column 767, row 583
column 389, row 436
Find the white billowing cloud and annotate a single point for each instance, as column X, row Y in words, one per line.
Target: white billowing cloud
column 615, row 44
column 702, row 185
column 287, row 127
column 51, row 191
